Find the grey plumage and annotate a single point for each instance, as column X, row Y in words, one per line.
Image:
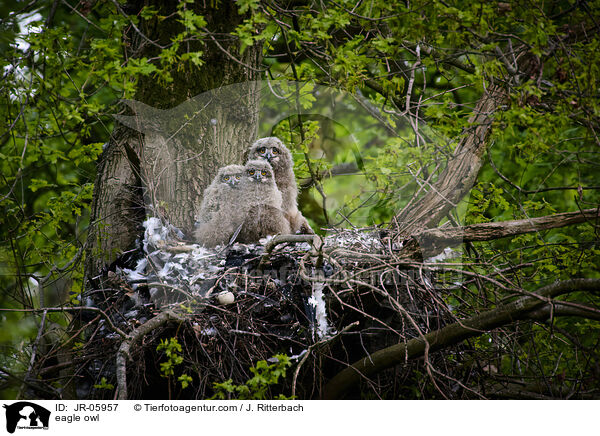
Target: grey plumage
column 272, row 150
column 245, row 196
column 219, row 217
column 259, row 184
column 261, row 204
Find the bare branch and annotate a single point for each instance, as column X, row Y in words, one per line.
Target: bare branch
column 283, row 239
column 123, row 354
column 228, row 53
column 34, row 348
column 111, row 325
column 315, row 240
column 460, row 174
column 561, row 309
column 451, row 334
column 433, row 240
column 342, row 169
column 317, row 345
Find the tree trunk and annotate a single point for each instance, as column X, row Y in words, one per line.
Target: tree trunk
column 460, row 174
column 177, row 152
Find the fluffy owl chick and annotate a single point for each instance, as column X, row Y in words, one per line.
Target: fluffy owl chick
column 259, row 184
column 261, row 204
column 276, row 153
column 216, row 219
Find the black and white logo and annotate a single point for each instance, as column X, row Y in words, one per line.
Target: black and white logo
column 26, row 415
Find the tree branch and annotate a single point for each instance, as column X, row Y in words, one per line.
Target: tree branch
column 433, row 240
column 342, row 169
column 560, row 309
column 451, row 334
column 460, row 174
column 123, row 353
column 104, row 315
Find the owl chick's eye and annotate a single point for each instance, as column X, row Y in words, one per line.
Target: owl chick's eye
column 251, row 172
column 262, row 150
column 263, row 173
column 226, row 178
column 275, row 151
column 237, row 177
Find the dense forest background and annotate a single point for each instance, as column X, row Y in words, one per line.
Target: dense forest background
column 468, row 131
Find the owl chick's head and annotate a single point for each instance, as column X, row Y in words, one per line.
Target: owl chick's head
column 259, row 171
column 230, row 175
column 273, row 151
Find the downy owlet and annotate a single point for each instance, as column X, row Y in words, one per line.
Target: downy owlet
column 260, row 204
column 215, row 224
column 272, row 150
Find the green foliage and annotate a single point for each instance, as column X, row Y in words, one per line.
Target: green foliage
column 486, row 203
column 104, row 385
column 266, row 376
column 171, row 348
column 62, row 78
column 61, row 83
column 185, row 380
column 74, row 75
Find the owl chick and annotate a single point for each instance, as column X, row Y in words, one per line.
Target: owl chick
column 261, row 204
column 259, row 184
column 276, row 153
column 216, row 219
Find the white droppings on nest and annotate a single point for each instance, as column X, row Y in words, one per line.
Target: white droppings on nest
column 299, row 355
column 181, row 269
column 166, row 269
column 141, row 265
column 199, row 276
column 303, row 246
column 133, row 275
column 181, row 257
column 447, row 254
column 317, row 301
column 199, row 252
column 155, row 233
column 136, row 275
column 208, row 332
column 266, row 239
column 355, row 240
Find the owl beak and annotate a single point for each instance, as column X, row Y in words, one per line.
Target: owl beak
column 269, row 156
column 257, row 175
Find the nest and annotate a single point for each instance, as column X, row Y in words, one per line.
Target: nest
column 325, row 304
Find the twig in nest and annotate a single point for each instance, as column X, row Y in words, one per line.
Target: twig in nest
column 315, row 240
column 241, row 332
column 123, row 353
column 318, row 345
column 104, row 315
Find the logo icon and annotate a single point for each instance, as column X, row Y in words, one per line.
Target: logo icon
column 26, row 415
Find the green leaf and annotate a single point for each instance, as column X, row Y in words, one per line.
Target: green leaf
column 36, row 184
